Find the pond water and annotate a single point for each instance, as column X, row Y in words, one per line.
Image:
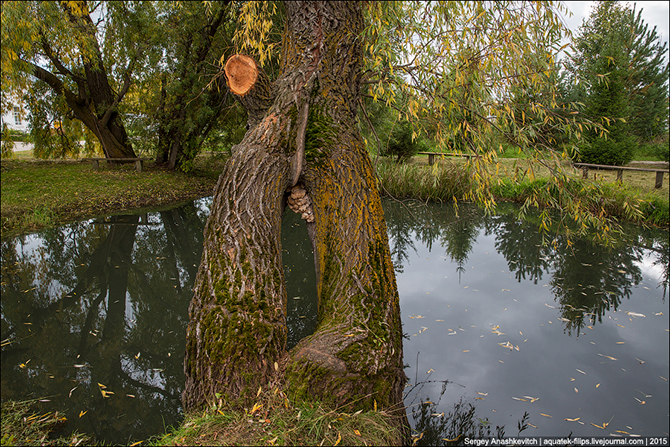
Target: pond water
column 502, row 330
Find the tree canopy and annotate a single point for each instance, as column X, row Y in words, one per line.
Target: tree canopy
column 469, row 76
column 619, row 71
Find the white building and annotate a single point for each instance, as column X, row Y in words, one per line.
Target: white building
column 15, row 119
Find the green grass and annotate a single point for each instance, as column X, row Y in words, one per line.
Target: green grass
column 21, row 426
column 39, row 194
column 275, row 420
column 516, row 180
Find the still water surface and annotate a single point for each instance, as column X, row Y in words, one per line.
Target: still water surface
column 501, row 329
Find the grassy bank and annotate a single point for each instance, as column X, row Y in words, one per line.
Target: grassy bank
column 276, row 420
column 40, row 194
column 21, row 426
column 634, row 200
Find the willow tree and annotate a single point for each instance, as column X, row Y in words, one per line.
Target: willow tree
column 58, row 44
column 302, row 145
column 303, row 148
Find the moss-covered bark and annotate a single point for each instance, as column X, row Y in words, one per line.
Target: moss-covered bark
column 237, row 328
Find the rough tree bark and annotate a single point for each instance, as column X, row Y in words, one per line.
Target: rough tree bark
column 302, row 145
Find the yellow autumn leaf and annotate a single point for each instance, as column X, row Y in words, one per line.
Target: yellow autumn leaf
column 339, row 438
column 357, row 432
column 81, row 413
column 256, row 407
column 572, row 420
column 546, row 415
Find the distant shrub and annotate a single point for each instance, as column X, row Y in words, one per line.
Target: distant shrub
column 401, row 145
column 603, row 151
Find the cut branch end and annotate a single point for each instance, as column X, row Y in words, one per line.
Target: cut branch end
column 241, row 73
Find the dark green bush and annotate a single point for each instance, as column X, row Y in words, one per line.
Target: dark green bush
column 401, row 145
column 603, row 151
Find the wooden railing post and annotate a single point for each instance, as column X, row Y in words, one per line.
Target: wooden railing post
column 659, row 179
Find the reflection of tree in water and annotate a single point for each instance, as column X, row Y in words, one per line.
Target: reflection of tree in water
column 522, row 246
column 110, row 298
column 455, row 231
column 400, row 231
column 432, row 427
column 658, row 247
column 589, row 280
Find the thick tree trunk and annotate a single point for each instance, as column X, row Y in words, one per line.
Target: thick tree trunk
column 308, row 136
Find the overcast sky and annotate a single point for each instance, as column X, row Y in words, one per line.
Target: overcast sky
column 654, row 13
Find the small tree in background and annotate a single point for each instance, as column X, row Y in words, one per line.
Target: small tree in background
column 620, row 64
column 403, row 143
column 7, row 142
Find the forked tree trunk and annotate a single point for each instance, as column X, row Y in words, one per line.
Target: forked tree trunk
column 302, row 130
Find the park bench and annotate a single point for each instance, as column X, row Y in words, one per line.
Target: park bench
column 431, row 155
column 619, row 175
column 138, row 162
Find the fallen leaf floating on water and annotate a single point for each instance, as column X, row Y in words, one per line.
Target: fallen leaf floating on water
column 564, row 319
column 580, row 371
column 70, row 395
column 641, row 362
column 659, row 313
column 549, row 306
column 452, row 440
column 479, row 398
column 430, row 371
column 519, row 398
column 602, row 427
column 482, row 394
column 507, row 345
column 621, row 326
column 635, row 314
column 642, row 402
column 572, row 379
column 597, row 385
column 663, row 378
column 546, row 415
column 534, row 426
column 437, row 415
column 576, row 390
column 105, row 393
column 572, row 420
column 620, row 342
column 101, row 385
column 467, row 350
column 606, row 356
column 532, row 399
